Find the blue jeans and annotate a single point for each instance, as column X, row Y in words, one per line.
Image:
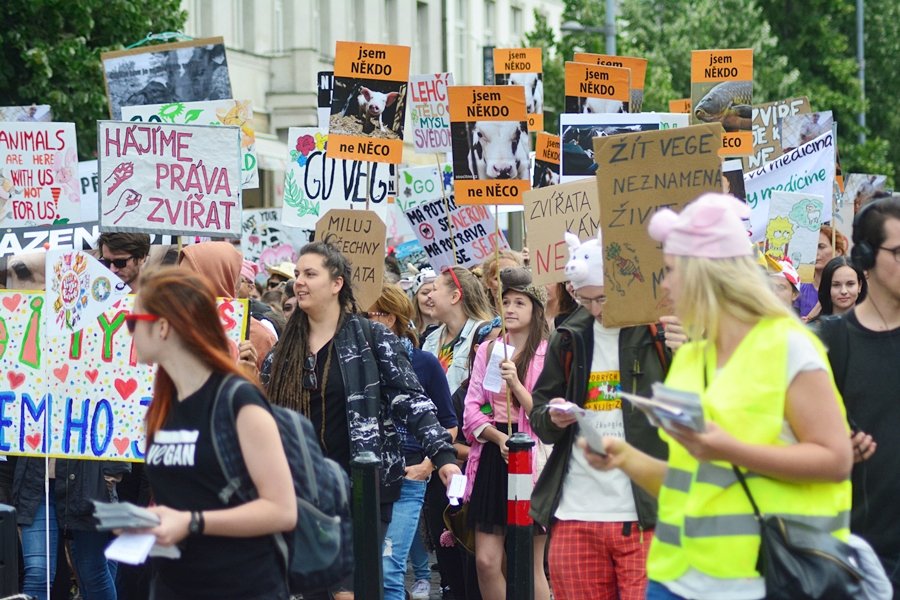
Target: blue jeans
column 96, row 575
column 418, row 556
column 34, row 550
column 657, row 591
column 404, row 526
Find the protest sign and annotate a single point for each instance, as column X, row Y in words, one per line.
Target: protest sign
column 792, row 231
column 324, row 96
column 681, row 105
column 411, row 253
column 808, row 169
column 766, row 133
column 796, row 130
column 859, row 190
column 523, row 66
column 359, row 234
column 596, row 89
column 266, row 241
column 469, row 231
column 491, row 145
column 733, row 179
column 82, row 395
column 579, row 131
column 164, row 178
column 35, row 112
column 230, row 113
column 314, row 182
column 549, row 213
column 546, row 161
column 79, row 289
column 429, row 112
column 80, row 236
column 639, row 174
column 186, row 71
column 90, row 190
column 417, row 185
column 369, row 102
column 38, row 174
column 722, row 92
column 637, row 66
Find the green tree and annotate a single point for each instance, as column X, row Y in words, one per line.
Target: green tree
column 50, row 53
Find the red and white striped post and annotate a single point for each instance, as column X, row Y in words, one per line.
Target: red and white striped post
column 519, row 543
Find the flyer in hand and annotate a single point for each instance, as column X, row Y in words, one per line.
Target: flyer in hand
column 669, row 407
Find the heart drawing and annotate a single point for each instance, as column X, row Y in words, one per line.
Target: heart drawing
column 61, row 373
column 33, row 440
column 11, row 303
column 15, row 379
column 126, row 387
column 91, row 374
column 122, row 445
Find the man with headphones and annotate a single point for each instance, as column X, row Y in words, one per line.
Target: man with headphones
column 864, row 350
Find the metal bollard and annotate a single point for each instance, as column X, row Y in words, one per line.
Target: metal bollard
column 519, row 542
column 367, row 536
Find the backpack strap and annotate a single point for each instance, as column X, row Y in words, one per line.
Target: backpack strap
column 567, row 355
column 659, row 339
column 223, row 429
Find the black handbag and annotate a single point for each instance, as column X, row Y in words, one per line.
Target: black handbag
column 800, row 561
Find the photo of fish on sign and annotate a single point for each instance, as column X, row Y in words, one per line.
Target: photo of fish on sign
column 722, row 92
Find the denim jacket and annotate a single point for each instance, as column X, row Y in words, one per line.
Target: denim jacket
column 459, row 366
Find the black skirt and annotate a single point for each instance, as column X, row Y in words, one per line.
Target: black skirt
column 487, row 504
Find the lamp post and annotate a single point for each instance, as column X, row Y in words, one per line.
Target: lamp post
column 609, row 29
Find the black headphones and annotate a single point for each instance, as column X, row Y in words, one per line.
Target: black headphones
column 862, row 253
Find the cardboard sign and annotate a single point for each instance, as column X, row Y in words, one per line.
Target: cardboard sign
column 766, row 133
column 266, row 241
column 681, row 105
column 523, row 66
column 418, row 185
column 38, row 174
column 722, row 92
column 35, row 112
column 490, row 144
column 597, row 89
column 230, row 113
column 639, row 174
column 177, row 179
column 369, row 102
column 808, row 169
column 79, row 289
column 359, row 234
column 549, row 213
column 579, row 131
column 637, row 66
column 430, row 112
column 469, row 230
column 314, row 182
column 546, row 161
column 82, row 395
column 792, row 231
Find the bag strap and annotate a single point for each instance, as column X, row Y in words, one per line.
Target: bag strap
column 743, row 481
column 659, row 335
column 223, row 416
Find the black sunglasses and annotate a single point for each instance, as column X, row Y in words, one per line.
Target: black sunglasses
column 310, row 381
column 120, row 263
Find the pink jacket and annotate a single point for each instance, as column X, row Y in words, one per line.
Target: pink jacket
column 477, row 396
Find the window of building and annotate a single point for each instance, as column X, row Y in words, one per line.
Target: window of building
column 391, row 18
column 357, row 21
column 237, row 19
column 516, row 24
column 422, row 41
column 324, row 41
column 278, row 26
column 490, row 21
column 460, row 30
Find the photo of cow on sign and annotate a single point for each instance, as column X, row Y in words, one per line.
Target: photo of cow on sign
column 523, row 67
column 497, row 150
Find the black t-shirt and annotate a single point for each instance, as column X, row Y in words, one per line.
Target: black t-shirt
column 335, row 441
column 185, row 475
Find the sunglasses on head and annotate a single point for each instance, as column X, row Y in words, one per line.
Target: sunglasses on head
column 310, row 381
column 132, row 319
column 120, row 263
column 454, row 277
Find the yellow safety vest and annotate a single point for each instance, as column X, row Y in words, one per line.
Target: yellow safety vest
column 705, row 520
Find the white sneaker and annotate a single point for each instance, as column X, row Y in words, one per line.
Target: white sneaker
column 421, row 590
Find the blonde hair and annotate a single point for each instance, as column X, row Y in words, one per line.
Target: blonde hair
column 474, row 301
column 713, row 288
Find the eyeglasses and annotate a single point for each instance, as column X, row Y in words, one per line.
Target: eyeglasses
column 585, row 301
column 310, row 381
column 374, row 314
column 895, row 251
column 274, row 285
column 120, row 263
column 455, row 279
column 132, row 319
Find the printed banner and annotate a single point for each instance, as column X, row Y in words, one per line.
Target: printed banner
column 808, row 169
column 430, row 112
column 796, row 130
column 596, row 89
column 767, row 134
column 722, row 92
column 164, row 178
column 411, row 253
column 579, row 131
column 267, row 241
column 681, row 105
column 38, row 174
column 469, row 231
column 637, row 66
column 230, row 113
column 793, row 230
column 35, row 112
column 314, row 182
column 491, row 145
column 523, row 66
column 79, row 236
column 360, row 235
column 369, row 102
column 79, row 289
column 82, row 395
column 418, row 185
column 641, row 173
column 549, row 213
column 546, row 161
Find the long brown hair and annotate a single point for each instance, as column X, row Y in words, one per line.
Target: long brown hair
column 186, row 300
column 538, row 331
column 394, row 301
column 474, row 301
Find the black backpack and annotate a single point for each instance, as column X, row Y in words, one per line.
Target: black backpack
column 319, row 551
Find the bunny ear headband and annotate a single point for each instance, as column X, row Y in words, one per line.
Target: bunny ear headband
column 709, row 227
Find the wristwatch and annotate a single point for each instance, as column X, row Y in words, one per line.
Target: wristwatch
column 197, row 523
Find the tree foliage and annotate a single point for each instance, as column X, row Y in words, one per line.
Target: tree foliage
column 50, row 53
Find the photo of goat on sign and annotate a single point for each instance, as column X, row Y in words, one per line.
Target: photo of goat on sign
column 368, row 107
column 491, row 150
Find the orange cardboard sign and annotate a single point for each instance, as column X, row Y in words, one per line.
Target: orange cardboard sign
column 523, row 66
column 681, row 105
column 547, row 148
column 637, row 66
column 369, row 102
column 489, row 131
column 722, row 92
column 586, row 83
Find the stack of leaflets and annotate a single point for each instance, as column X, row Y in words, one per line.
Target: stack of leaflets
column 123, row 515
column 669, row 407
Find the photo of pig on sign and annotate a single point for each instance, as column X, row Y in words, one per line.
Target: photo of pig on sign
column 490, row 144
column 369, row 102
column 597, row 89
column 722, row 92
column 523, row 66
column 637, row 66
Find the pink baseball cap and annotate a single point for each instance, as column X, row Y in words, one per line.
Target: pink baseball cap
column 709, row 227
column 249, row 270
column 790, row 273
